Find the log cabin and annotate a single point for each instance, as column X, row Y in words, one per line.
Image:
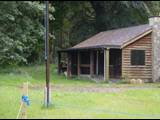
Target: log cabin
column 124, row 53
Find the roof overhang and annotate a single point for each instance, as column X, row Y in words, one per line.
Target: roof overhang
column 91, row 47
column 97, row 47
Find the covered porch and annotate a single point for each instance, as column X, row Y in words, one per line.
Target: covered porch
column 101, row 64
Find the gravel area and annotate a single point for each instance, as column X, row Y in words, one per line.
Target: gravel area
column 100, row 89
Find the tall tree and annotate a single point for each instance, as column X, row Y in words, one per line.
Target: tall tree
column 113, row 14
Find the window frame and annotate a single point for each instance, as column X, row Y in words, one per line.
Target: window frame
column 131, row 57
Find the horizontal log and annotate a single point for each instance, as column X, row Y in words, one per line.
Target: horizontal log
column 149, row 74
column 128, row 63
column 129, row 76
column 128, row 55
column 137, row 68
column 137, row 76
column 138, row 72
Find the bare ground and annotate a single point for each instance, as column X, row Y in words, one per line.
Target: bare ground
column 100, row 89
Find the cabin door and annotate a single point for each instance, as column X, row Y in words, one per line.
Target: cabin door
column 115, row 63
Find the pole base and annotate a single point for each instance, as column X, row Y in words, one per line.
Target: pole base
column 47, row 104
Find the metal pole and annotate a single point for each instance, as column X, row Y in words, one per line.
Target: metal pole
column 47, row 54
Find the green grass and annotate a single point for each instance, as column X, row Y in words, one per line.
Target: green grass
column 36, row 75
column 131, row 103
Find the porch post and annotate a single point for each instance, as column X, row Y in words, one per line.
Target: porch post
column 91, row 63
column 78, row 63
column 106, row 64
column 59, row 62
column 97, row 63
column 69, row 64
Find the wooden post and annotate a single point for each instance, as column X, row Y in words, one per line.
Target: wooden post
column 97, row 62
column 106, row 64
column 59, row 63
column 78, row 63
column 69, row 65
column 91, row 63
column 24, row 107
column 22, row 114
column 104, row 73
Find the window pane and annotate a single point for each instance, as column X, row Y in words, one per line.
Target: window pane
column 137, row 57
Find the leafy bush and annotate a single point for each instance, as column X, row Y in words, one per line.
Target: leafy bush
column 21, row 32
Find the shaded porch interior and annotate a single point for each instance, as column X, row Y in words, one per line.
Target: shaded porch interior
column 90, row 63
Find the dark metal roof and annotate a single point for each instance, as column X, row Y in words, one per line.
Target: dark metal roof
column 112, row 38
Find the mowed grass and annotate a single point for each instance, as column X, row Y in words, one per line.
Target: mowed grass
column 131, row 103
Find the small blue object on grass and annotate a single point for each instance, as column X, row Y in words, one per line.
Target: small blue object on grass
column 26, row 100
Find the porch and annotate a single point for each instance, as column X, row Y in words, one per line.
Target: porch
column 99, row 64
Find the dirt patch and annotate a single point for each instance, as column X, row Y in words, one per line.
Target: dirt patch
column 99, row 89
column 86, row 89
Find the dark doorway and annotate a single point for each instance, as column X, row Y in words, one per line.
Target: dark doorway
column 74, row 62
column 115, row 63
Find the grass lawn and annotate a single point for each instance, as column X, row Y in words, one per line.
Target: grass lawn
column 142, row 101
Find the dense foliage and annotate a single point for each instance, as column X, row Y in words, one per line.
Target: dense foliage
column 22, row 26
column 21, row 32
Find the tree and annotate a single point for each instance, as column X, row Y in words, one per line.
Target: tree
column 113, row 14
column 21, row 32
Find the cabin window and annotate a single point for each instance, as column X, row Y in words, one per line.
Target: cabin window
column 137, row 57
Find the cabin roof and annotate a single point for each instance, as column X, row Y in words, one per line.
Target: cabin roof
column 116, row 38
